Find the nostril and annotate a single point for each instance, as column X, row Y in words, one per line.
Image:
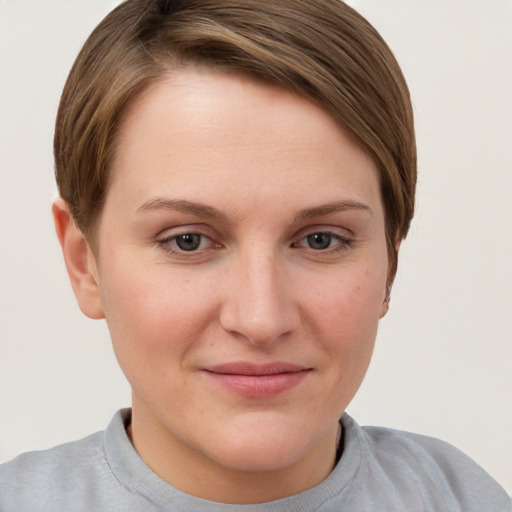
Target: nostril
column 258, row 323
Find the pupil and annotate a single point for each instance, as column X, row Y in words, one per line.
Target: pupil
column 319, row 240
column 188, row 242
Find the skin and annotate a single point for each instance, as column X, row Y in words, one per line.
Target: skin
column 256, row 171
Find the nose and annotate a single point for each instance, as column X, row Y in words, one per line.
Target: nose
column 259, row 304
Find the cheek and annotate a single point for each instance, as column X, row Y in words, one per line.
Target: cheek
column 344, row 317
column 341, row 316
column 349, row 301
column 151, row 311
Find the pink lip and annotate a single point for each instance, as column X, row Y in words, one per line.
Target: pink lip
column 258, row 381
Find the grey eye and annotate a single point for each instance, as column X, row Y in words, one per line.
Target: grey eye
column 188, row 241
column 319, row 240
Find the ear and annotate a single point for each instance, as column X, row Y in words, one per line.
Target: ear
column 392, row 266
column 80, row 261
column 385, row 303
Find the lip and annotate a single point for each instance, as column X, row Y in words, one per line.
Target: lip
column 257, row 380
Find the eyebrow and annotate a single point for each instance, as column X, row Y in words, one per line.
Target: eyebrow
column 333, row 207
column 182, row 205
column 202, row 210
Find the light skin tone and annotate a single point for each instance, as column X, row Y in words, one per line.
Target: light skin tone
column 243, row 234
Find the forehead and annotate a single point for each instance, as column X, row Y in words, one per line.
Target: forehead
column 200, row 127
column 215, row 96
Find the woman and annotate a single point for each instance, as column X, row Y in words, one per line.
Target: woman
column 235, row 180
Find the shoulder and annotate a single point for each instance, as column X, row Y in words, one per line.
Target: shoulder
column 429, row 468
column 36, row 464
column 33, row 478
column 99, row 472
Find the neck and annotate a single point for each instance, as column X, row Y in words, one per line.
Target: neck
column 198, row 475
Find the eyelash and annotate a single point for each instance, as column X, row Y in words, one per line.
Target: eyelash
column 169, row 244
column 344, row 243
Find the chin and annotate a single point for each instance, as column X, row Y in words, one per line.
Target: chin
column 262, row 446
column 260, row 458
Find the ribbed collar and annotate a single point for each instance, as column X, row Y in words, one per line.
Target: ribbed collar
column 133, row 473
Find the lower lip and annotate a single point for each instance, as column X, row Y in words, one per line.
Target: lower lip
column 259, row 386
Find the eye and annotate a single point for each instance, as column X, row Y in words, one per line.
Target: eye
column 188, row 241
column 319, row 240
column 324, row 241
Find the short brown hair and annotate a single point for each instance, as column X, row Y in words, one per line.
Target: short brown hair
column 321, row 49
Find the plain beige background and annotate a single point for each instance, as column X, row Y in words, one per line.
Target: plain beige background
column 443, row 362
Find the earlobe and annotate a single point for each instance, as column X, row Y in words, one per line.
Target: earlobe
column 387, row 298
column 80, row 261
column 392, row 266
column 385, row 304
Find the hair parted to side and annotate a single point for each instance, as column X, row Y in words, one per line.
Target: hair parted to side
column 321, row 49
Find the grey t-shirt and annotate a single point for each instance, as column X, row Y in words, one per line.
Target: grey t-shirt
column 380, row 470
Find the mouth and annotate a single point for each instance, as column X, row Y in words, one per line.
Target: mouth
column 255, row 380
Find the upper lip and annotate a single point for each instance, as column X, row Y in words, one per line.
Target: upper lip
column 246, row 368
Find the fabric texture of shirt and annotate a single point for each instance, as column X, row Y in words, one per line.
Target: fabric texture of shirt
column 380, row 470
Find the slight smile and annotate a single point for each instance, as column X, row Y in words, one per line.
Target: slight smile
column 258, row 381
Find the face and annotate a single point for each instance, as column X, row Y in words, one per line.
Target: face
column 241, row 266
